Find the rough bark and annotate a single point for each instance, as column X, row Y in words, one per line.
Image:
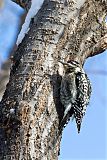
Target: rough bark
column 30, row 110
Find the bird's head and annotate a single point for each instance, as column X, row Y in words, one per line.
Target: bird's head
column 71, row 66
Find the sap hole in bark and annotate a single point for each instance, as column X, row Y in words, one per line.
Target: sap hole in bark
column 41, row 68
column 47, row 112
column 28, row 135
column 32, row 20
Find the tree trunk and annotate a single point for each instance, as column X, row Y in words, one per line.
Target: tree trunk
column 30, row 111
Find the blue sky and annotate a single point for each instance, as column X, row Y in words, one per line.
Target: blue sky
column 91, row 143
column 9, row 22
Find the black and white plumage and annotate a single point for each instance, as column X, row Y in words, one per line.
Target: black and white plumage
column 75, row 93
column 104, row 0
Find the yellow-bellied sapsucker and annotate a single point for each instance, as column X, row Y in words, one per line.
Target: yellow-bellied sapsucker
column 75, row 92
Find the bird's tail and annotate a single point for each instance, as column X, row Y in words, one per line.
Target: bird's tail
column 78, row 118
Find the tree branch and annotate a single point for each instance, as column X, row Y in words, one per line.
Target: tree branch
column 98, row 48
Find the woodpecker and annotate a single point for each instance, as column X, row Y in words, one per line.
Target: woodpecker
column 75, row 92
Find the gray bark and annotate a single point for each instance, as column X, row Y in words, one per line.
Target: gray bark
column 30, row 110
